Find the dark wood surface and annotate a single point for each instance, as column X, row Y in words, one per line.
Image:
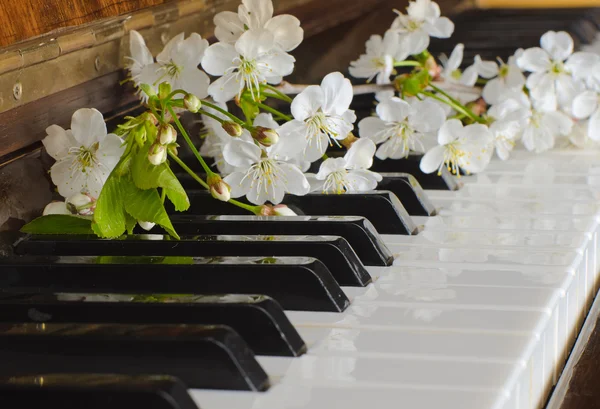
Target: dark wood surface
column 21, row 19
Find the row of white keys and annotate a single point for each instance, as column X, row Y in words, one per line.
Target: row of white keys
column 425, row 336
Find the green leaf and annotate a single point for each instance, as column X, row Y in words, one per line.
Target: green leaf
column 59, row 224
column 146, row 205
column 148, row 176
column 109, row 216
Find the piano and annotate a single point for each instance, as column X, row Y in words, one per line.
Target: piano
column 434, row 292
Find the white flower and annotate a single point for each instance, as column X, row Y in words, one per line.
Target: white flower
column 579, row 136
column 258, row 14
column 453, row 75
column 321, row 114
column 85, row 154
column 460, row 147
column 378, row 62
column 176, row 64
column 348, row 174
column 401, row 127
column 587, row 105
column 507, row 120
column 146, row 225
column 510, row 78
column 542, row 128
column 422, row 21
column 261, row 176
column 550, row 81
column 254, row 60
column 215, row 139
column 585, row 66
column 56, row 207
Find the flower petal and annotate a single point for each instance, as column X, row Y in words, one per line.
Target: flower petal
column 535, row 60
column 337, row 92
column 585, row 104
column 329, row 166
column 373, row 128
column 449, row 131
column 241, row 153
column 360, row 154
column 416, row 41
column 278, row 64
column 393, row 110
column 455, row 59
column 295, row 181
column 292, row 139
column 225, row 88
column 433, row 159
column 58, row 141
column 140, row 54
column 194, row 81
column 88, row 126
column 308, row 102
column 189, row 52
column 362, row 180
column 228, row 26
column 594, row 126
column 316, row 147
column 258, row 12
column 239, row 182
column 443, row 27
column 426, row 116
column 486, row 69
column 218, row 58
column 67, row 182
column 286, row 30
column 165, row 55
column 558, row 45
column 581, row 64
column 253, row 43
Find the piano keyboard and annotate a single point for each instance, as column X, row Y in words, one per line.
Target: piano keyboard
column 458, row 293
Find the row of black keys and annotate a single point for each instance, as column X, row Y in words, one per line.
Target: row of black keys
column 55, row 281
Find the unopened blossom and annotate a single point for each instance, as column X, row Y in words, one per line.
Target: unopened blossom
column 81, row 203
column 460, row 147
column 378, row 61
column 176, row 64
column 510, row 78
column 347, row 174
column 257, row 15
column 587, row 105
column 550, row 83
column 401, row 127
column 56, row 207
column 85, row 154
column 255, row 59
column 278, row 210
column 260, row 175
column 421, row 22
column 321, row 116
column 146, row 225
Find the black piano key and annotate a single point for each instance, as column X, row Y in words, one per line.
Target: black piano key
column 207, row 357
column 94, row 391
column 296, row 283
column 381, row 208
column 358, row 231
column 410, row 193
column 410, row 165
column 334, row 252
column 258, row 319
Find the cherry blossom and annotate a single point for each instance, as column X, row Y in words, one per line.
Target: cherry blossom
column 85, row 154
column 510, row 78
column 460, row 147
column 378, row 62
column 255, row 59
column 401, row 127
column 421, row 22
column 506, row 120
column 587, row 105
column 347, row 174
column 321, row 116
column 256, row 15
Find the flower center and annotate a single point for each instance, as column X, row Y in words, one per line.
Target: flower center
column 456, row 74
column 557, row 68
column 85, row 157
column 452, row 156
column 172, row 70
column 337, row 182
column 413, row 25
column 249, row 71
column 536, row 119
column 265, row 174
column 503, row 71
column 321, row 123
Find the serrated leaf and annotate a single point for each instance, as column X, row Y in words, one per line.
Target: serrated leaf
column 59, row 224
column 148, row 176
column 146, row 205
column 109, row 216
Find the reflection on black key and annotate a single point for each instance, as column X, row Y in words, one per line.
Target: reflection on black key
column 94, row 391
column 358, row 231
column 334, row 252
column 296, row 283
column 383, row 209
column 209, row 357
column 410, row 165
column 409, row 191
column 258, row 319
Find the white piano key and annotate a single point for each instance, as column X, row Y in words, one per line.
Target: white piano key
column 537, row 179
column 545, row 192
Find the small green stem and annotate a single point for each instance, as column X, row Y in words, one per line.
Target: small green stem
column 185, row 135
column 464, row 109
column 163, row 195
column 458, row 107
column 250, row 208
column 216, row 118
column 325, row 157
column 407, row 63
column 224, row 112
column 282, row 96
column 273, row 111
column 177, row 91
column 188, row 170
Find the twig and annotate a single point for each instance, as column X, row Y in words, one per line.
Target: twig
column 291, row 89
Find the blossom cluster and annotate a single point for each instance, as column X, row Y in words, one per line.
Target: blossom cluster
column 541, row 97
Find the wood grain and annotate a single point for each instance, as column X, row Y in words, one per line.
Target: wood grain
column 23, row 19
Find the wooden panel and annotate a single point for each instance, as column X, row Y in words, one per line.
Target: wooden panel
column 23, row 19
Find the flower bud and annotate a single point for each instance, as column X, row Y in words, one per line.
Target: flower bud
column 232, row 128
column 157, row 154
column 192, row 103
column 283, row 210
column 172, row 148
column 82, row 204
column 478, row 107
column 167, row 134
column 56, row 208
column 146, row 225
column 164, row 90
column 218, row 188
column 432, row 67
column 265, row 136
